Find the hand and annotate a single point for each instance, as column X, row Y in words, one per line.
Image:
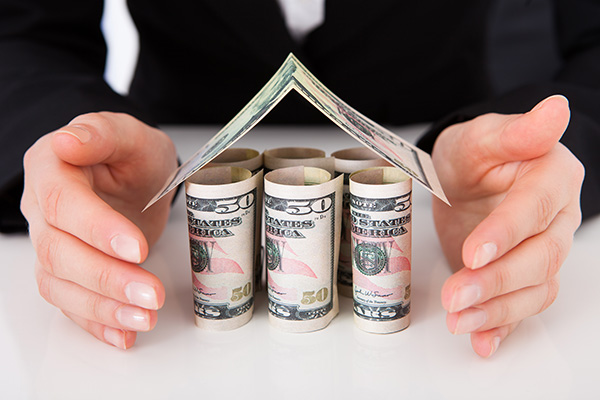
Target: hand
column 85, row 186
column 515, row 193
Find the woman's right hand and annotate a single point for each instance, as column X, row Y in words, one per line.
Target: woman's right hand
column 85, row 187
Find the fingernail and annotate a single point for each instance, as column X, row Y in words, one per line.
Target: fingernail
column 484, row 254
column 494, row 345
column 115, row 337
column 127, row 248
column 78, row 132
column 132, row 318
column 464, row 297
column 541, row 104
column 141, row 295
column 470, row 320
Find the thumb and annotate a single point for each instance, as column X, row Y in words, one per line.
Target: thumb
column 530, row 135
column 101, row 138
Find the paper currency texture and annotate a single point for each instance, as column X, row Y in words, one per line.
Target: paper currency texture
column 347, row 161
column 380, row 212
column 221, row 208
column 302, row 228
column 293, row 75
column 251, row 160
column 284, row 157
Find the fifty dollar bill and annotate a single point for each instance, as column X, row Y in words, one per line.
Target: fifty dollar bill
column 302, row 230
column 346, row 162
column 380, row 211
column 222, row 208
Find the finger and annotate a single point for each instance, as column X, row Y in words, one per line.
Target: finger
column 521, row 137
column 504, row 310
column 531, row 263
column 67, row 202
column 70, row 297
column 544, row 189
column 107, row 138
column 486, row 343
column 66, row 257
column 122, row 339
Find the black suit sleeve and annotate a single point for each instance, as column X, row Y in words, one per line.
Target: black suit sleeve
column 578, row 32
column 52, row 57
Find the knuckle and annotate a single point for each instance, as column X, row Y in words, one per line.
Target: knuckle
column 27, row 159
column 484, row 120
column 579, row 172
column 166, row 141
column 475, row 128
column 575, row 170
column 577, row 217
column 46, row 249
column 545, row 211
column 44, row 284
column 25, row 205
column 94, row 235
column 574, row 167
column 94, row 307
column 97, row 122
column 104, row 280
column 552, row 287
column 51, row 204
column 502, row 281
column 511, row 227
column 502, row 313
column 554, row 252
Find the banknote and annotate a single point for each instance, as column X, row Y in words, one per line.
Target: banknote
column 302, row 229
column 284, row 157
column 293, row 75
column 380, row 212
column 347, row 161
column 221, row 208
column 252, row 160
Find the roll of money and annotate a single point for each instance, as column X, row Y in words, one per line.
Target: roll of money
column 380, row 213
column 346, row 162
column 284, row 157
column 302, row 228
column 221, row 208
column 252, row 160
column 239, row 157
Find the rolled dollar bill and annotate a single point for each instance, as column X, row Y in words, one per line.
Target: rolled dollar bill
column 380, row 212
column 252, row 160
column 346, row 162
column 221, row 208
column 239, row 157
column 284, row 157
column 302, row 228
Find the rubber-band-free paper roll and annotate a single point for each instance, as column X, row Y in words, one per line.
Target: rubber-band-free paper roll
column 221, row 209
column 239, row 157
column 284, row 157
column 252, row 160
column 346, row 162
column 381, row 213
column 302, row 229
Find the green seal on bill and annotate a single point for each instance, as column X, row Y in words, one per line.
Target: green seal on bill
column 200, row 257
column 273, row 256
column 369, row 259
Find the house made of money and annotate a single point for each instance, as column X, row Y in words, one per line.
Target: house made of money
column 293, row 75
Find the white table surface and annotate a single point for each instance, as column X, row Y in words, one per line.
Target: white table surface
column 43, row 355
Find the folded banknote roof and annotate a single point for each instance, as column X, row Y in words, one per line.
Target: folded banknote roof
column 293, row 75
